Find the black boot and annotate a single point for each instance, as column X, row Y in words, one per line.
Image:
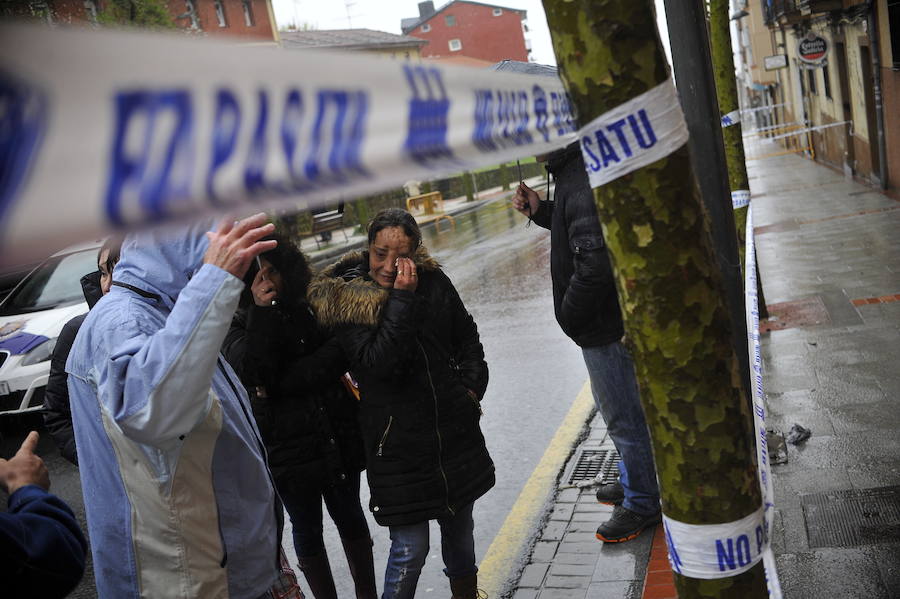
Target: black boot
column 317, row 572
column 466, row 588
column 362, row 566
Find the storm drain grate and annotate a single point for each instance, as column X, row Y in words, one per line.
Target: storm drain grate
column 855, row 517
column 601, row 464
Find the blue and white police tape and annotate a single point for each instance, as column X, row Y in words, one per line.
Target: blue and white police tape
column 716, row 550
column 107, row 130
column 732, row 118
column 762, row 108
column 751, row 301
column 740, row 198
column 809, row 130
column 634, row 134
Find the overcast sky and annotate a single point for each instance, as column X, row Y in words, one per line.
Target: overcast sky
column 385, row 15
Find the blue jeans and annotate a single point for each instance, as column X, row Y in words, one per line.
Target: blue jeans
column 615, row 391
column 409, row 549
column 304, row 506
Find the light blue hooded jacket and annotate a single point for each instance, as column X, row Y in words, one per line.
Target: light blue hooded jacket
column 178, row 495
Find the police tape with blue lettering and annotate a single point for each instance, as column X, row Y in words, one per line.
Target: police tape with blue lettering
column 115, row 130
column 639, row 132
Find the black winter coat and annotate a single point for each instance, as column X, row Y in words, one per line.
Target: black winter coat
column 416, row 357
column 292, row 372
column 57, row 410
column 584, row 291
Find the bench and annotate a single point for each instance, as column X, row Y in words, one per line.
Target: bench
column 323, row 223
column 425, row 202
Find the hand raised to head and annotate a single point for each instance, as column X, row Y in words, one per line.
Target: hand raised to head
column 24, row 468
column 233, row 245
column 407, row 277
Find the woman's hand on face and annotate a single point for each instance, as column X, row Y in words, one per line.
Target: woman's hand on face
column 407, row 277
column 264, row 292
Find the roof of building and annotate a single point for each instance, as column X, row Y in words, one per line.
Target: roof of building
column 459, row 59
column 527, row 68
column 348, row 39
column 407, row 25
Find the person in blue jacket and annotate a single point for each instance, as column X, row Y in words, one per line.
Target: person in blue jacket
column 42, row 549
column 179, row 499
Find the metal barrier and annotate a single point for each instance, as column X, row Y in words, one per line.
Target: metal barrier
column 426, row 202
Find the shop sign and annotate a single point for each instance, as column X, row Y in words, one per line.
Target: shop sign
column 779, row 61
column 812, row 49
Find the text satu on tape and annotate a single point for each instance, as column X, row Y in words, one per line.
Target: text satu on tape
column 107, row 130
column 641, row 131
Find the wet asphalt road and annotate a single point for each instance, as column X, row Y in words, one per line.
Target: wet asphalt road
column 501, row 270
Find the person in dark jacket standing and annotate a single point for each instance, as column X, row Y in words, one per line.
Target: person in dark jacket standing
column 587, row 309
column 42, row 550
column 307, row 419
column 57, row 411
column 416, row 355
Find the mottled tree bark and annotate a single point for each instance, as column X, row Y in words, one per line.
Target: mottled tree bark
column 670, row 288
column 726, row 90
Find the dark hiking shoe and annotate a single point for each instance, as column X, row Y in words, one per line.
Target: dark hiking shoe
column 625, row 525
column 611, row 494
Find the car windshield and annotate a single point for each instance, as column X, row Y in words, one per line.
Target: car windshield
column 54, row 283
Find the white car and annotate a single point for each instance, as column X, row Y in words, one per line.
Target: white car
column 31, row 318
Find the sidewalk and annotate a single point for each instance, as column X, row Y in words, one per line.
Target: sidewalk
column 348, row 238
column 829, row 255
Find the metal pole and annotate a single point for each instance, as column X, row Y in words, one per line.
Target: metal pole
column 689, row 39
column 876, row 92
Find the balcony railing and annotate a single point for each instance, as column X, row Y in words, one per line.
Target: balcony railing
column 808, row 7
column 781, row 11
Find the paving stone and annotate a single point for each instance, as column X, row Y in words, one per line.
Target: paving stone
column 572, row 569
column 553, row 530
column 585, row 525
column 579, row 537
column 567, row 582
column 587, row 548
column 789, row 485
column 619, row 589
column 567, row 496
column 877, row 474
column 864, row 417
column 576, row 558
column 887, row 557
column 620, row 562
column 562, row 511
column 543, row 551
column 563, row 593
column 533, row 575
column 841, row 572
column 778, row 542
column 593, row 508
column 526, row 594
column 795, row 537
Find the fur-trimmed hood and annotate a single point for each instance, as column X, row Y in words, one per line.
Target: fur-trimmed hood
column 343, row 293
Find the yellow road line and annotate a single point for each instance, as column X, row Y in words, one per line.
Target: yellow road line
column 499, row 562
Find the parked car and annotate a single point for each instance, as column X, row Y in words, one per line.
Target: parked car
column 11, row 276
column 31, row 318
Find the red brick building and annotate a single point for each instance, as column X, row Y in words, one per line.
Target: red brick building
column 474, row 29
column 253, row 20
